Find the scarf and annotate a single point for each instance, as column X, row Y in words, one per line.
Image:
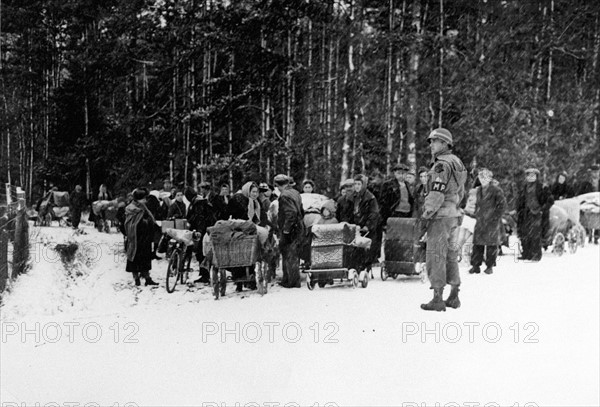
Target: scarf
column 134, row 213
column 253, row 204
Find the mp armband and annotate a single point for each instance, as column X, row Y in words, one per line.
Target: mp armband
column 438, row 186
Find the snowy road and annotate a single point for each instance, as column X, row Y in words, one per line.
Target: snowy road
column 526, row 335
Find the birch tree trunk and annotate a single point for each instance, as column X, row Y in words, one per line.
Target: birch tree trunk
column 413, row 96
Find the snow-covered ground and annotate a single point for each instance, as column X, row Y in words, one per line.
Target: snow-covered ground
column 526, row 335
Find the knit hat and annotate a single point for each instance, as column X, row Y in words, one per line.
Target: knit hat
column 441, row 134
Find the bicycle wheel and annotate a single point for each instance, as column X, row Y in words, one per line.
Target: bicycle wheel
column 173, row 268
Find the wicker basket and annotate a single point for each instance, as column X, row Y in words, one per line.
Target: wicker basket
column 333, row 256
column 239, row 252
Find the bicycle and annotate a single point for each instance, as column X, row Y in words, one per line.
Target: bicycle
column 178, row 269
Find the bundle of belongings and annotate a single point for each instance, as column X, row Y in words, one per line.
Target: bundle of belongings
column 590, row 209
column 334, row 245
column 98, row 206
column 226, row 231
column 184, row 236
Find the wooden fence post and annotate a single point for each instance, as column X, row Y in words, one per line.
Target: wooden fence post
column 21, row 244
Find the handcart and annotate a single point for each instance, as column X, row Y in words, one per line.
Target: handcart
column 241, row 251
column 402, row 249
column 335, row 256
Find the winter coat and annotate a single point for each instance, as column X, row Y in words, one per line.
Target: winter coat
column 78, row 200
column 177, row 210
column 390, row 198
column 489, row 208
column 345, row 206
column 445, row 186
column 290, row 218
column 587, row 187
column 220, row 208
column 139, row 226
column 561, row 191
column 545, row 200
column 200, row 215
column 238, row 206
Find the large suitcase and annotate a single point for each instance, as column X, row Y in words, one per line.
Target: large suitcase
column 399, row 248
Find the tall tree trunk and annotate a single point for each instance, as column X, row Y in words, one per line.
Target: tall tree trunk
column 388, row 108
column 413, row 96
column 441, row 73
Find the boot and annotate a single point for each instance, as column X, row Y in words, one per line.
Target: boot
column 453, row 301
column 437, row 303
column 475, row 270
column 489, row 270
column 148, row 279
column 136, row 278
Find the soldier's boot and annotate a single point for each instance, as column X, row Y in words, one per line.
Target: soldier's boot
column 437, row 303
column 475, row 270
column 453, row 301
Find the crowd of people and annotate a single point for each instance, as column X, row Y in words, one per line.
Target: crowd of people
column 437, row 196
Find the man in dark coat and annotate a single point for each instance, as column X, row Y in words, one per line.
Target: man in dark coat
column 533, row 212
column 290, row 220
column 200, row 216
column 139, row 226
column 78, row 202
column 177, row 209
column 345, row 205
column 396, row 199
column 221, row 203
column 366, row 215
column 489, row 208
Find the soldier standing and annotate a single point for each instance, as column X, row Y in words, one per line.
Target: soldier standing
column 445, row 186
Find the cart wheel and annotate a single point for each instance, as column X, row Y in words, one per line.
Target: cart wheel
column 353, row 275
column 394, row 276
column 364, row 281
column 384, row 274
column 322, row 284
column 309, row 283
column 173, row 271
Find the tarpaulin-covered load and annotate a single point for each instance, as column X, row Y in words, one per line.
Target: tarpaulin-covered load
column 559, row 221
column 331, row 246
column 98, row 206
column 571, row 206
column 311, row 203
column 61, row 211
column 61, row 198
column 590, row 210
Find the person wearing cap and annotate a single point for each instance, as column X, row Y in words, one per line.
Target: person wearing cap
column 396, row 199
column 200, row 216
column 489, row 207
column 291, row 227
column 344, row 203
column 139, row 226
column 411, row 179
column 365, row 212
column 533, row 212
column 441, row 214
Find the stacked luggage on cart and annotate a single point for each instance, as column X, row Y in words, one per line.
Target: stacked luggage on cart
column 337, row 252
column 404, row 252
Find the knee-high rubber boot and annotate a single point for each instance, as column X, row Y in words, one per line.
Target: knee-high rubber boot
column 437, row 303
column 453, row 301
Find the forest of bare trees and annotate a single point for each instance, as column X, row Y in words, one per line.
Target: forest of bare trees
column 131, row 92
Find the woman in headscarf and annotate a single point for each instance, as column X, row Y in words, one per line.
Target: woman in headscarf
column 139, row 226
